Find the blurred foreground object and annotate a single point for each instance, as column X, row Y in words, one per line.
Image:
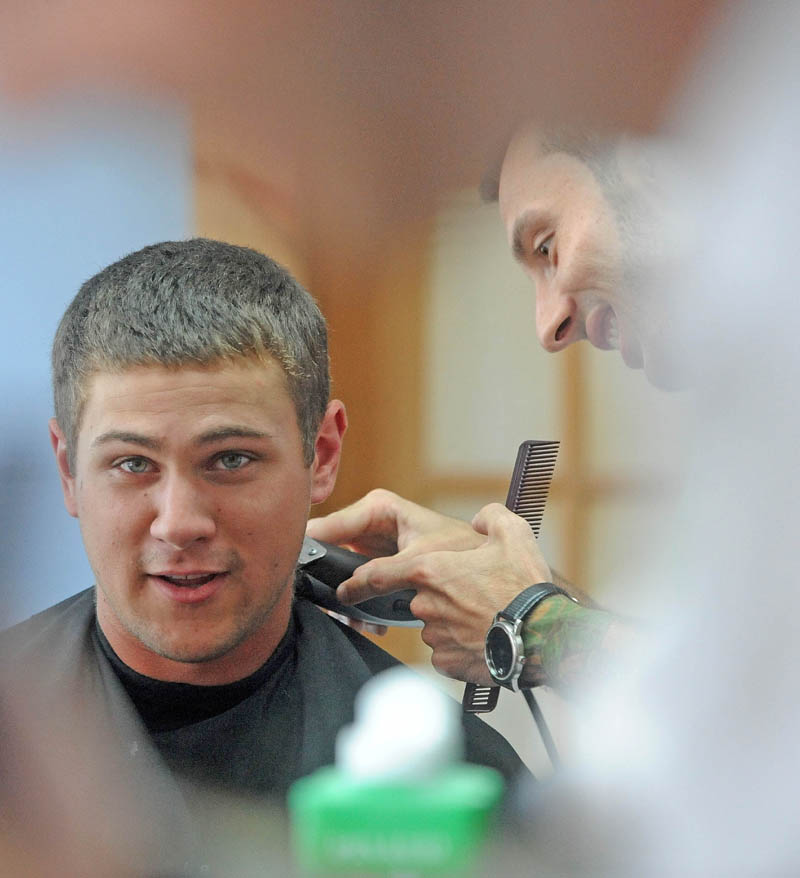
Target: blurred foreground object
column 66, row 812
column 71, row 806
column 398, row 801
column 692, row 766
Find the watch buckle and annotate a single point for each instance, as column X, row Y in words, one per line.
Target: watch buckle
column 480, row 699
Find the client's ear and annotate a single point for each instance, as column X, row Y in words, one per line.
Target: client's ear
column 328, row 451
column 59, row 442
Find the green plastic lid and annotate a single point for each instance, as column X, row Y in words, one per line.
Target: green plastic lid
column 342, row 826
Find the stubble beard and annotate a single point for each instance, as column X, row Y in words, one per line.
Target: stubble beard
column 244, row 624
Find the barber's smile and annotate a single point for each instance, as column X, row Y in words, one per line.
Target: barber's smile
column 188, row 587
column 601, row 327
column 603, row 330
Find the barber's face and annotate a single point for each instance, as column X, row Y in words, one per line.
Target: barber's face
column 563, row 233
column 192, row 496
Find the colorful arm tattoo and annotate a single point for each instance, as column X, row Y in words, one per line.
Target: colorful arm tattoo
column 568, row 645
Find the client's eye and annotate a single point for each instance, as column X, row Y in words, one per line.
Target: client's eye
column 233, row 460
column 135, row 465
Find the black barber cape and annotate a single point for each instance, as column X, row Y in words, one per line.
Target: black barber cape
column 280, row 724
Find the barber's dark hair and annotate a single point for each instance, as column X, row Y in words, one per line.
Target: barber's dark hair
column 191, row 302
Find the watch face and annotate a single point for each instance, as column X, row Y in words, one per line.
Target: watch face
column 499, row 653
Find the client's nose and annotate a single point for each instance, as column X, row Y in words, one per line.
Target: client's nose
column 181, row 514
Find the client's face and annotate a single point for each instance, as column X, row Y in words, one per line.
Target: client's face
column 192, row 495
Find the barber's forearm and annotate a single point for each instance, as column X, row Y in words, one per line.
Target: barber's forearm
column 568, row 646
column 583, row 598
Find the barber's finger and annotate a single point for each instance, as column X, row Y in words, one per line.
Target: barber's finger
column 363, row 585
column 370, row 524
column 341, row 526
column 382, row 576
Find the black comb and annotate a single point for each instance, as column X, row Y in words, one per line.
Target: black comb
column 530, row 484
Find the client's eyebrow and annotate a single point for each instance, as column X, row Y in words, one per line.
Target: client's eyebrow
column 216, row 435
column 233, row 432
column 126, row 436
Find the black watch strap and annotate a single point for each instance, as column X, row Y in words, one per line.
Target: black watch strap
column 527, row 600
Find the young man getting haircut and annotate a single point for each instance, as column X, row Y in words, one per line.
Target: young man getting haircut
column 193, row 432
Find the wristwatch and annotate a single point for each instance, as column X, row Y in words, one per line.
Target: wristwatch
column 504, row 650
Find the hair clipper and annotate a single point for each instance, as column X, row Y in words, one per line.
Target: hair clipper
column 327, row 566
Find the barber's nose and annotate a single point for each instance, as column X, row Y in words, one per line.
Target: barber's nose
column 182, row 514
column 557, row 319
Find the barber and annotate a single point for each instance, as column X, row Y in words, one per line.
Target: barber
column 557, row 203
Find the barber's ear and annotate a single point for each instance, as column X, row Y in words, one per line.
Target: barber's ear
column 328, row 451
column 59, row 443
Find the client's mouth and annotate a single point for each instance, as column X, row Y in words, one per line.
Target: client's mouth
column 193, row 580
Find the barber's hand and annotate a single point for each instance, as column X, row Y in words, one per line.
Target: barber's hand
column 383, row 523
column 463, row 575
